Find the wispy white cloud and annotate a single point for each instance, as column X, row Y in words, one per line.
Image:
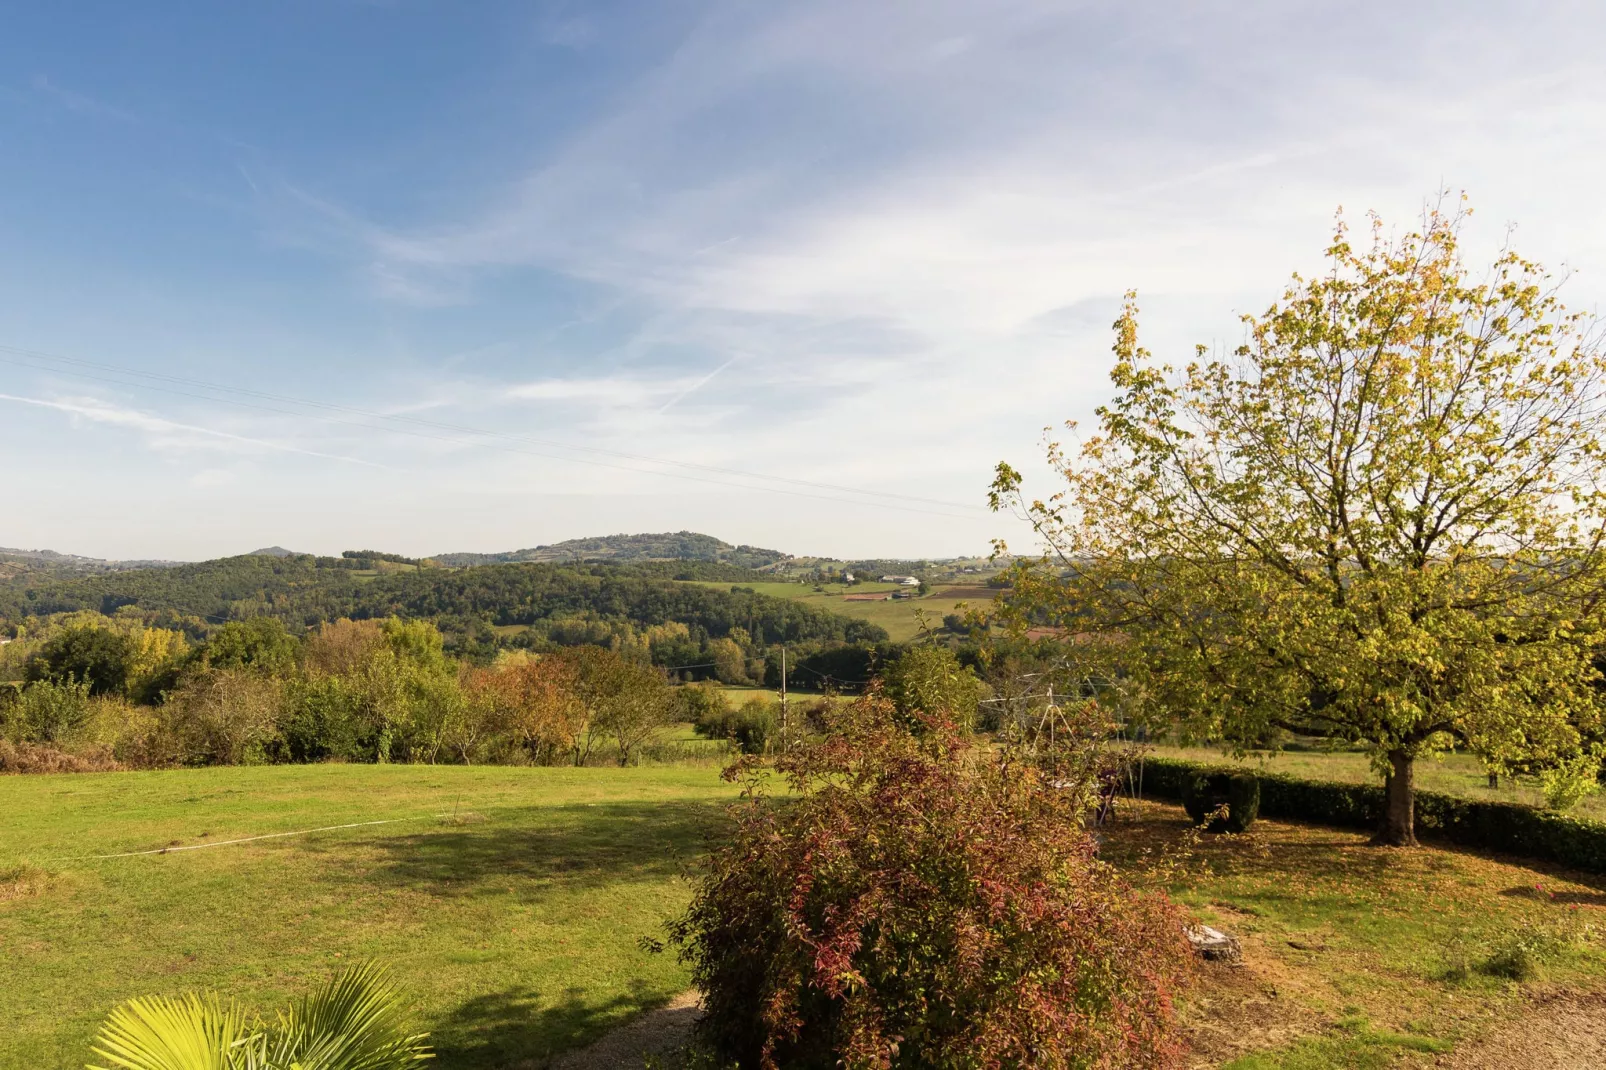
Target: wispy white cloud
column 611, row 392
column 164, row 434
column 1057, row 151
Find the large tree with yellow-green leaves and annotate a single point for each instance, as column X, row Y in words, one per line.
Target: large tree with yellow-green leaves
column 1380, row 520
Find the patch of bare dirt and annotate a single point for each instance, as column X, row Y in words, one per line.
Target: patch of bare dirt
column 1557, row 1031
column 660, row 1033
column 1255, row 1006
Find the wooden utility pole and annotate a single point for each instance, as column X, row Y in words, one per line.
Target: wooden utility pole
column 786, row 734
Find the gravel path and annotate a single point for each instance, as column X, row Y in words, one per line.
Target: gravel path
column 661, row 1032
column 1559, row 1032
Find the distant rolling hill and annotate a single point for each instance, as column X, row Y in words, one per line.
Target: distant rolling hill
column 666, row 546
column 275, row 551
column 47, row 563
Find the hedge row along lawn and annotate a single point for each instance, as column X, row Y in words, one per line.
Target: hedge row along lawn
column 1450, row 774
column 510, row 902
column 1542, row 835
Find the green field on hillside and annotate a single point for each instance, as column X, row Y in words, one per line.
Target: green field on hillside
column 900, row 617
column 508, row 901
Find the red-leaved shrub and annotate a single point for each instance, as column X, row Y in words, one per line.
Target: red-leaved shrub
column 921, row 901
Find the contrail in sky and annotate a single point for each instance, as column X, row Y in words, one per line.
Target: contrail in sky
column 698, row 385
column 111, row 414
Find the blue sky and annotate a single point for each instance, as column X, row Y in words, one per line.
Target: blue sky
column 473, row 276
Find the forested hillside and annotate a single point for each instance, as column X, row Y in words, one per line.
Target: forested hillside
column 590, row 601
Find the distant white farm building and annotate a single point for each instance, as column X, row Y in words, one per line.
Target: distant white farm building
column 905, row 581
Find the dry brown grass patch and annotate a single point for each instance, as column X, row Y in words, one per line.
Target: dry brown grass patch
column 37, row 758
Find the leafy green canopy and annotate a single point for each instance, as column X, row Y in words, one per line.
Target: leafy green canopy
column 1379, row 520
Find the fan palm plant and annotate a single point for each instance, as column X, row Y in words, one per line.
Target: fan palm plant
column 352, row 1023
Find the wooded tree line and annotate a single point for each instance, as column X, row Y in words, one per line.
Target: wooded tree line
column 560, row 604
column 117, row 690
column 360, row 691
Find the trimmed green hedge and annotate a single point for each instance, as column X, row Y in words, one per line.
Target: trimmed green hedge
column 1493, row 826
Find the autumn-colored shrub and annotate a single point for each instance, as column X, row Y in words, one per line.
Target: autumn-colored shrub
column 918, row 901
column 218, row 717
column 528, row 703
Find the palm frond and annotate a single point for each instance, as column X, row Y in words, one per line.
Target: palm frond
column 352, row 1023
column 162, row 1033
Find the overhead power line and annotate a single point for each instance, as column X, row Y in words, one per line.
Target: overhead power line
column 29, row 358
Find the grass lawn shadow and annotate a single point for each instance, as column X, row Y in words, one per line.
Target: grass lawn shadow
column 519, row 1027
column 573, row 847
column 1583, row 899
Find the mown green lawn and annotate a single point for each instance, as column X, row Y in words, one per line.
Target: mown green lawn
column 508, row 901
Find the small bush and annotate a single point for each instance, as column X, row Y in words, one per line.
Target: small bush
column 51, row 711
column 751, row 727
column 1568, row 783
column 920, row 903
column 1514, row 961
column 1205, row 794
column 1515, row 954
column 219, row 717
column 929, row 681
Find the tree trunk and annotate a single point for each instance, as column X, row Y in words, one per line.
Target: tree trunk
column 1398, row 828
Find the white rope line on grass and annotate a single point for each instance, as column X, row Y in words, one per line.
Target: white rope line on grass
column 247, row 839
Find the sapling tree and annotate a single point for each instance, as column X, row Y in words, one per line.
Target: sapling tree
column 1378, row 521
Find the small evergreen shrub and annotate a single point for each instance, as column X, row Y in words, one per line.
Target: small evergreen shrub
column 1204, row 794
